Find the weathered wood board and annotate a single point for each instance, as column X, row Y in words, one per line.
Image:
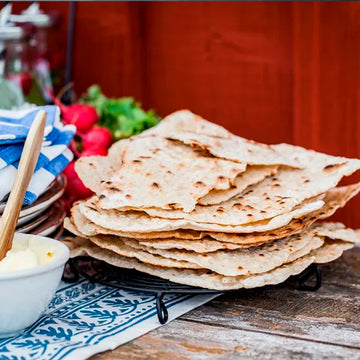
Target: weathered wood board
column 274, row 322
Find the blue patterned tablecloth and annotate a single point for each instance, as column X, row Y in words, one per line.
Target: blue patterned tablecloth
column 85, row 318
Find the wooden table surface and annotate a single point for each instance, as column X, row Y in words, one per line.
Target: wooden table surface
column 269, row 323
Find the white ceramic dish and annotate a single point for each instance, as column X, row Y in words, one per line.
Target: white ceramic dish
column 54, row 221
column 25, row 294
column 30, row 225
column 27, row 218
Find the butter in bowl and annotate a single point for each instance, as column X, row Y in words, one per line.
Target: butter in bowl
column 29, row 276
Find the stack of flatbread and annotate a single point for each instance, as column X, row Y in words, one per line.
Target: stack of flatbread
column 190, row 202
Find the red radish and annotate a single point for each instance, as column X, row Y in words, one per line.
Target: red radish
column 83, row 116
column 97, row 137
column 75, row 189
column 94, row 151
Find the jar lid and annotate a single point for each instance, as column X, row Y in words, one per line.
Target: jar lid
column 9, row 31
column 32, row 15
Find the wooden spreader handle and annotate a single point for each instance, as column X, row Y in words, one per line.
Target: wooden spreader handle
column 25, row 171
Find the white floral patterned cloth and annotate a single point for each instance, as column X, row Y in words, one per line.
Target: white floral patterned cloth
column 85, row 318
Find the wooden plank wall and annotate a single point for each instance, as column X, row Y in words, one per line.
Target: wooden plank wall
column 270, row 71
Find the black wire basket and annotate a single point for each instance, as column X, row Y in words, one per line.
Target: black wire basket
column 100, row 272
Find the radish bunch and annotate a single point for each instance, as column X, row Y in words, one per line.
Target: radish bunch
column 90, row 139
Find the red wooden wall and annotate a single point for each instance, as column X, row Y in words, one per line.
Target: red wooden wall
column 270, row 71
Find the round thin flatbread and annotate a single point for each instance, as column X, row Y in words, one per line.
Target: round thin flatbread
column 199, row 278
column 253, row 260
column 139, row 222
column 156, row 172
column 252, row 175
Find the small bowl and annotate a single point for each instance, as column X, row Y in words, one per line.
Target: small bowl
column 25, row 294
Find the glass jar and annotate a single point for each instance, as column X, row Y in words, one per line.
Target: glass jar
column 17, row 67
column 40, row 23
column 11, row 63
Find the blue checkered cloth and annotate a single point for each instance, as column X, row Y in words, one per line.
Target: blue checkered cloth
column 54, row 156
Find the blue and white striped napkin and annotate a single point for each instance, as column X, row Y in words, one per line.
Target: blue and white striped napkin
column 54, row 156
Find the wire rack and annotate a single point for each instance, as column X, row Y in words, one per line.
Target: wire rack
column 100, row 272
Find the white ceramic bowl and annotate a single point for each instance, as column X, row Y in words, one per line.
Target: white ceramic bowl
column 25, row 294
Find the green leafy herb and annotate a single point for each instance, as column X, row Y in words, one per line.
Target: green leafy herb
column 123, row 117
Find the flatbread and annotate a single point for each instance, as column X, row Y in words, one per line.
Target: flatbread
column 94, row 170
column 334, row 199
column 252, row 175
column 137, row 221
column 204, row 245
column 207, row 245
column 225, row 145
column 118, row 246
column 275, row 195
column 248, row 261
column 205, row 241
column 201, row 278
column 196, row 131
column 330, row 251
column 201, row 246
column 337, row 231
column 88, row 228
column 230, row 263
column 156, row 172
column 185, row 120
column 316, row 242
column 338, row 239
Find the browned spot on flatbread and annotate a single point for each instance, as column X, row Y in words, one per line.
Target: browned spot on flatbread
column 333, row 167
column 172, row 205
column 199, row 183
column 115, row 189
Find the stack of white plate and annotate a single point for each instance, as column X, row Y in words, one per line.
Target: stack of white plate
column 45, row 216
